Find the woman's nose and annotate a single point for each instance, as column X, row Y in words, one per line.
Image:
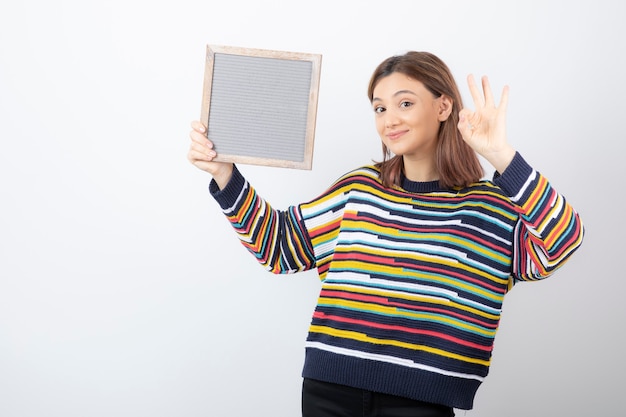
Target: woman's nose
column 390, row 119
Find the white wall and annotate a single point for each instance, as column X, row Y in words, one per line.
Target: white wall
column 123, row 290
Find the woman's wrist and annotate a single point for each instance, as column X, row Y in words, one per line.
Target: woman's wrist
column 502, row 159
column 223, row 175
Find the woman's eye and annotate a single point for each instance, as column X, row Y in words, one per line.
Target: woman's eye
column 406, row 104
column 379, row 109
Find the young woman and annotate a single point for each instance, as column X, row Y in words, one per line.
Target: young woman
column 415, row 253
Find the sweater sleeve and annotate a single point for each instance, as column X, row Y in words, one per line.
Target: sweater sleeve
column 549, row 230
column 278, row 239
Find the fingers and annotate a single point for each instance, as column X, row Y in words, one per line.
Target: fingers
column 201, row 148
column 504, row 100
column 198, row 134
column 198, row 126
column 487, row 91
column 478, row 98
column 202, row 155
column 464, row 125
column 485, row 99
column 200, row 138
column 202, row 151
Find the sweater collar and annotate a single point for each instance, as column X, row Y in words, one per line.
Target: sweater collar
column 420, row 187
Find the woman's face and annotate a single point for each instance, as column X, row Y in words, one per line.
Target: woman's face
column 407, row 116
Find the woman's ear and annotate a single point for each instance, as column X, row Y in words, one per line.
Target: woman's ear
column 445, row 107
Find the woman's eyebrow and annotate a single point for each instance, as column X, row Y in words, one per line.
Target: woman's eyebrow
column 397, row 93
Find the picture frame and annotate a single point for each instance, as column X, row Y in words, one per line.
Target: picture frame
column 260, row 105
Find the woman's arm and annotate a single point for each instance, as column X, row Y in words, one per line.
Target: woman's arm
column 549, row 230
column 277, row 239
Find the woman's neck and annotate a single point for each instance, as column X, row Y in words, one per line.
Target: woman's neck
column 420, row 169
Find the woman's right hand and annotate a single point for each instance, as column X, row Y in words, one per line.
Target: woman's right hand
column 201, row 154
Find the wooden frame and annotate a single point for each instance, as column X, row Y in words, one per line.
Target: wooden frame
column 260, row 106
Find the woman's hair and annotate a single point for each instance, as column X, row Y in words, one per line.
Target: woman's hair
column 456, row 162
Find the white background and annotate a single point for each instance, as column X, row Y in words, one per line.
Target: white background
column 123, row 290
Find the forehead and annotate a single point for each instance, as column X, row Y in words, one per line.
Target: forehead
column 396, row 82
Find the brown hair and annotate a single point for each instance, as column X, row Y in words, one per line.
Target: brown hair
column 456, row 162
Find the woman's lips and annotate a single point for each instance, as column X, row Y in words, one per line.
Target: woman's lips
column 396, row 134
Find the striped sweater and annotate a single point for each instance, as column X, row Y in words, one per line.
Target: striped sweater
column 412, row 278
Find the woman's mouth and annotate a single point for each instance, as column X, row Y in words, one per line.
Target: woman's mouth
column 395, row 134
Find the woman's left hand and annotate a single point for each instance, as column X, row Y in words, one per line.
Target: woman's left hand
column 484, row 129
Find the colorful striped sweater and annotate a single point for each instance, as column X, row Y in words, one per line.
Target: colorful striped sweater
column 412, row 278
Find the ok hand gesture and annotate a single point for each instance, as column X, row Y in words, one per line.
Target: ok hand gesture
column 484, row 129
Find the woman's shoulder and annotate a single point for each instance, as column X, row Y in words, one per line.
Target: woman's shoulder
column 365, row 173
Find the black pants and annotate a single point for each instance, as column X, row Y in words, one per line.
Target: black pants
column 322, row 399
